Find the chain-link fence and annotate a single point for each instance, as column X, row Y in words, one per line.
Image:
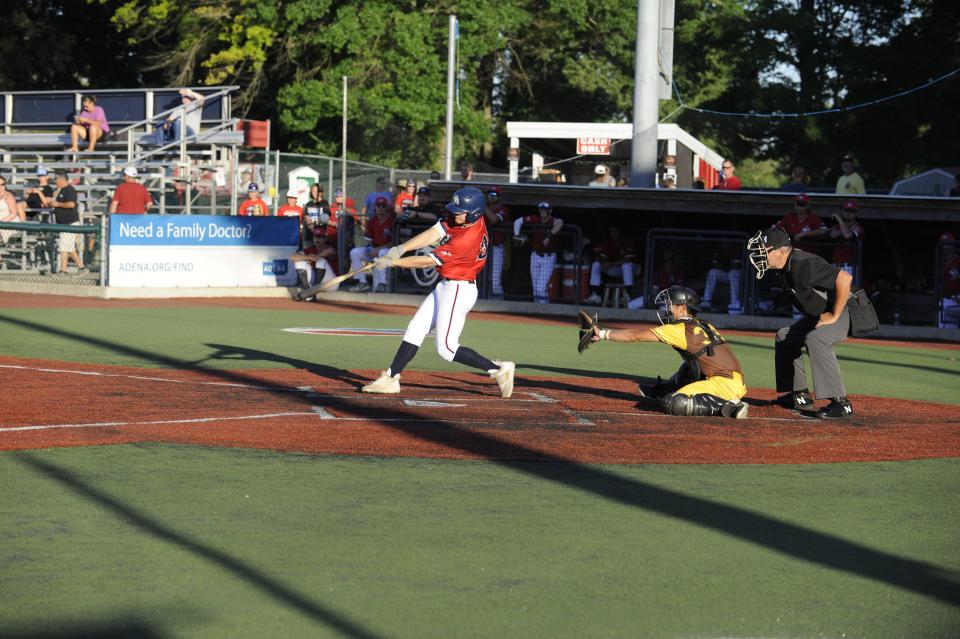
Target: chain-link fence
column 51, row 253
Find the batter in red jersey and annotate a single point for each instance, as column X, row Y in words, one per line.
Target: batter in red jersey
column 460, row 251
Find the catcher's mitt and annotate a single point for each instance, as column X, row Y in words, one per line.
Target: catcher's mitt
column 586, row 330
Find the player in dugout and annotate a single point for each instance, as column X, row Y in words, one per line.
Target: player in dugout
column 710, row 380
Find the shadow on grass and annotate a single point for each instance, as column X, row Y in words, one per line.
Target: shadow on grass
column 791, row 540
column 157, row 529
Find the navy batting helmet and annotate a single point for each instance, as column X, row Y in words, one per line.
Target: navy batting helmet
column 679, row 295
column 468, row 200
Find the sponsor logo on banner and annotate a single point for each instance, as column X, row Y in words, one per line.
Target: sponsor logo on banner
column 201, row 250
column 276, row 267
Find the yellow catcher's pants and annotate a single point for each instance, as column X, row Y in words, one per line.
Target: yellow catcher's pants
column 730, row 389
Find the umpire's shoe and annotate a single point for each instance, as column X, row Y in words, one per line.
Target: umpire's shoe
column 838, row 408
column 386, row 383
column 797, row 400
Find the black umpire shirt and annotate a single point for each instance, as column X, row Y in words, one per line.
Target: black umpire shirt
column 811, row 281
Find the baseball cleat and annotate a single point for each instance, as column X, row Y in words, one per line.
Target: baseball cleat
column 504, row 377
column 734, row 410
column 386, row 383
column 838, row 408
column 593, row 299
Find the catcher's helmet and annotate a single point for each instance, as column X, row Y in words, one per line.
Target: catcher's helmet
column 676, row 295
column 467, row 200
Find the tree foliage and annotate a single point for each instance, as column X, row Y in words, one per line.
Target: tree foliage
column 547, row 60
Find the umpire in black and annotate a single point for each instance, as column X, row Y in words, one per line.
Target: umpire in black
column 821, row 291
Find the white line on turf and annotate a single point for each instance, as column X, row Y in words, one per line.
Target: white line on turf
column 195, row 420
column 150, row 379
column 540, row 398
column 578, row 418
column 323, row 413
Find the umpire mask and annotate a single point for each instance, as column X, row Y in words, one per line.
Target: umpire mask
column 762, row 243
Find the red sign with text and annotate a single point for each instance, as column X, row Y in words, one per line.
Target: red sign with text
column 593, row 146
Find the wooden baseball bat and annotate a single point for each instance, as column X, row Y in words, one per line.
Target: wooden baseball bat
column 326, row 286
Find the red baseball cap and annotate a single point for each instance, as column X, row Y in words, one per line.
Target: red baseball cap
column 850, row 206
column 802, row 198
column 380, row 201
column 947, row 236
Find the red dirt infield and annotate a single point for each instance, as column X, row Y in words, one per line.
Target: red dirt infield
column 440, row 415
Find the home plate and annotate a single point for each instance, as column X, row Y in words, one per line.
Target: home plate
column 427, row 402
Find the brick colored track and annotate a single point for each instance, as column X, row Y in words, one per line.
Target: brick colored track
column 439, row 415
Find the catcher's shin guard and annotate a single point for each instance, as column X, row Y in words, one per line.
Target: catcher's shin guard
column 702, row 405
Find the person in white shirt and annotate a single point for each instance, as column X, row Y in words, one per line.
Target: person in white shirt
column 602, row 177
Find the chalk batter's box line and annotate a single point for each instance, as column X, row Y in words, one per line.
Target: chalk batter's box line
column 536, row 397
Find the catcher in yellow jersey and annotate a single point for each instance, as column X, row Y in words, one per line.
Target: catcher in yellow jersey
column 710, row 380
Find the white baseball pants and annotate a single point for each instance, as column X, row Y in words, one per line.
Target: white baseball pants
column 361, row 255
column 541, row 270
column 446, row 309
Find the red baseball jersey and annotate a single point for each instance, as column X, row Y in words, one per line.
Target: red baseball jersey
column 314, row 250
column 380, row 230
column 462, row 251
column 497, row 238
column 404, row 200
column 792, row 225
column 615, row 250
column 845, row 253
column 541, row 243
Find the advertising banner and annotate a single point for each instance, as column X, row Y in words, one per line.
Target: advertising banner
column 153, row 251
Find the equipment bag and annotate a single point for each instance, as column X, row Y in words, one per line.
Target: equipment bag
column 863, row 317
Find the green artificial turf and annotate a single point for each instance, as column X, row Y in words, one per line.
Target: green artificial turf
column 217, row 337
column 178, row 541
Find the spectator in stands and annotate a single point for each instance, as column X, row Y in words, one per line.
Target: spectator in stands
column 37, row 199
column 699, row 184
column 192, row 114
column 254, row 204
column 801, row 223
column 728, row 181
column 545, row 244
column 622, row 181
column 291, row 208
column 379, row 236
column 497, row 213
column 669, row 183
column 9, row 211
column 425, row 210
column 955, row 191
column 847, row 232
column 949, row 261
column 798, row 181
column 90, row 125
column 614, row 257
column 850, row 183
column 69, row 245
column 732, row 276
column 601, row 177
column 131, row 197
column 466, row 171
column 406, row 196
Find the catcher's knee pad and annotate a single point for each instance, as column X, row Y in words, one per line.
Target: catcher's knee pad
column 677, row 404
column 701, row 405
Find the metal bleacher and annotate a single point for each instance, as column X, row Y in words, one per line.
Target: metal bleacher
column 35, row 133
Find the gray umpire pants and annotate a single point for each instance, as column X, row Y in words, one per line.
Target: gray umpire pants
column 791, row 375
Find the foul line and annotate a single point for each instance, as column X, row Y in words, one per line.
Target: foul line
column 195, row 420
